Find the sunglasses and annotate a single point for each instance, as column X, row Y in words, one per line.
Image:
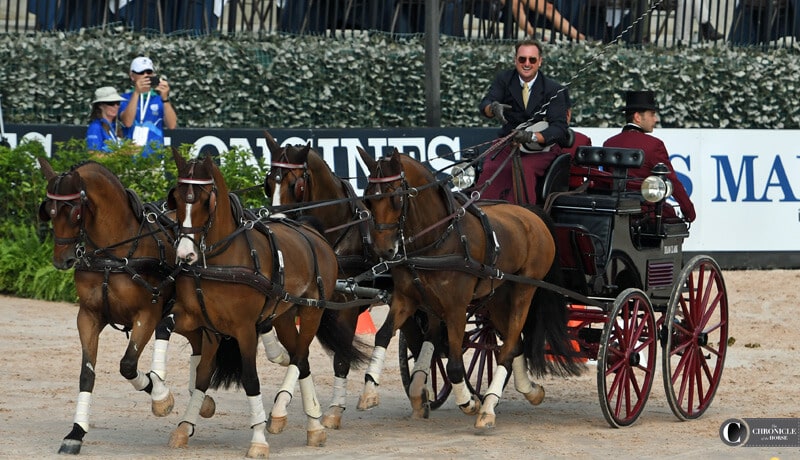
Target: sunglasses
column 145, row 72
column 111, row 103
column 531, row 59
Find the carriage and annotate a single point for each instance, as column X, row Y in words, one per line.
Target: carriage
column 628, row 292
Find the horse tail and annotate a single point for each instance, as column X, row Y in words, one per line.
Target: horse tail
column 228, row 369
column 547, row 344
column 337, row 337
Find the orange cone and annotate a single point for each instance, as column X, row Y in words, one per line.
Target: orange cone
column 365, row 324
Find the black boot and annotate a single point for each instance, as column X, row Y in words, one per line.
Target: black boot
column 709, row 33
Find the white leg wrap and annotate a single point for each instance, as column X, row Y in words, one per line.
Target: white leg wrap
column 139, row 382
column 194, row 360
column 376, row 364
column 193, row 408
column 160, row 391
column 461, row 393
column 498, row 381
column 339, row 392
column 311, row 404
column 83, row 410
column 285, row 392
column 423, row 362
column 159, row 365
column 275, row 351
column 257, row 413
column 520, row 369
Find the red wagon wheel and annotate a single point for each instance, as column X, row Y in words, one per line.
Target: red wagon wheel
column 695, row 338
column 627, row 358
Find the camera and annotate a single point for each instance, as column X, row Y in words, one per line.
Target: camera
column 154, row 81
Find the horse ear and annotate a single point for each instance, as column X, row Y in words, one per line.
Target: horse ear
column 368, row 160
column 180, row 162
column 47, row 170
column 171, row 204
column 395, row 160
column 274, row 148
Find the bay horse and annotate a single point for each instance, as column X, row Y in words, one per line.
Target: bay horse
column 123, row 257
column 238, row 275
column 298, row 174
column 446, row 257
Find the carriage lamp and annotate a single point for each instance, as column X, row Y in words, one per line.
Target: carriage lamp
column 463, row 176
column 657, row 187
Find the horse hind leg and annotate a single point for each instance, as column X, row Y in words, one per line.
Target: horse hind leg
column 418, row 388
column 332, row 418
column 276, row 353
column 532, row 391
column 259, row 447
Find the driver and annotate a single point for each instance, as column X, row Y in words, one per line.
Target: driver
column 516, row 96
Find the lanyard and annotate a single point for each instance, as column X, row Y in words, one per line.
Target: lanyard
column 142, row 106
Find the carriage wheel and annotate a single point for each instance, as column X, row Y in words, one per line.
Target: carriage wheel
column 695, row 338
column 438, row 373
column 627, row 358
column 480, row 348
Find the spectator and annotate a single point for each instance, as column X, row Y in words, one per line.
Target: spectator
column 146, row 109
column 504, row 102
column 641, row 118
column 541, row 9
column 103, row 131
column 688, row 11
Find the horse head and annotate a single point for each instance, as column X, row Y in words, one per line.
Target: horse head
column 194, row 200
column 65, row 206
column 288, row 180
column 386, row 198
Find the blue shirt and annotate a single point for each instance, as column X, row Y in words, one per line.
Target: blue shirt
column 97, row 138
column 149, row 115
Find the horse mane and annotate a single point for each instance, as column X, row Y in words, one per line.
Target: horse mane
column 93, row 166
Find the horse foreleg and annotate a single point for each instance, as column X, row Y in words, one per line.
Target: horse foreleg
column 532, row 391
column 418, row 389
column 279, row 414
column 486, row 417
column 162, row 400
column 315, row 432
column 369, row 396
column 89, row 332
column 259, row 447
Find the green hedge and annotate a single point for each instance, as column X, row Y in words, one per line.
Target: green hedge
column 378, row 81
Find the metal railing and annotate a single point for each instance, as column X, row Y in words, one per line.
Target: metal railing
column 638, row 22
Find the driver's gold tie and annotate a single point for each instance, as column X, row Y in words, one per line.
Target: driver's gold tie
column 525, row 94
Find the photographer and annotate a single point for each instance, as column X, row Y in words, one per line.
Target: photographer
column 146, row 109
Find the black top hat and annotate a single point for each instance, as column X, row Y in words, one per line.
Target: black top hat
column 639, row 101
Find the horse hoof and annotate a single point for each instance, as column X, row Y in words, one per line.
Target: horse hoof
column 70, row 447
column 472, row 407
column 258, row 450
column 275, row 425
column 164, row 407
column 209, row 407
column 485, row 422
column 180, row 436
column 316, row 438
column 332, row 419
column 368, row 401
column 535, row 396
column 421, row 406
